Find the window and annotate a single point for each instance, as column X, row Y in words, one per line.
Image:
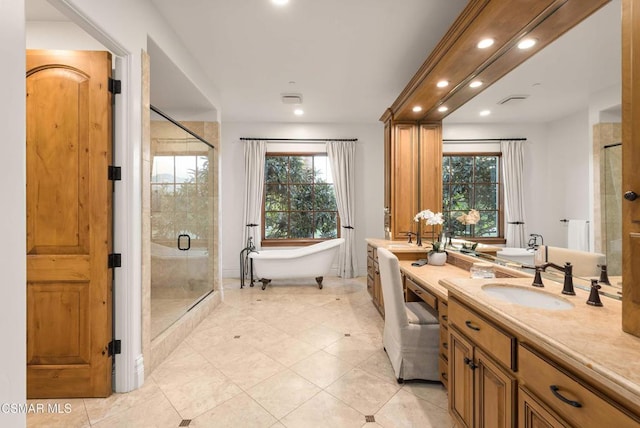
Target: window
column 299, row 200
column 472, row 181
column 179, row 190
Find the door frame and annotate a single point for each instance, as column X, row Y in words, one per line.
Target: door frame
column 127, row 217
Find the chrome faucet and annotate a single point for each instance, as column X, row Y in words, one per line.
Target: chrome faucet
column 567, row 269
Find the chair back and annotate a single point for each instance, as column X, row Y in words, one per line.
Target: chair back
column 394, row 308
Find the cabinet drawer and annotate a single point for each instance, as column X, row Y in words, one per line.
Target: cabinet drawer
column 444, row 342
column 443, row 368
column 426, row 296
column 578, row 403
column 443, row 312
column 484, row 333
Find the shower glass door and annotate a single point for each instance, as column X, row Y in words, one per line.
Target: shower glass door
column 181, row 222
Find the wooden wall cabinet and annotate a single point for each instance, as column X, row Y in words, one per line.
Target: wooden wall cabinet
column 413, row 174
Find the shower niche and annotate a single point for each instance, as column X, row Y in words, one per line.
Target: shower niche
column 181, row 219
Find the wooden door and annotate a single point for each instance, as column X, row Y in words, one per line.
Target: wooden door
column 69, row 224
column 494, row 394
column 533, row 414
column 630, row 161
column 460, row 379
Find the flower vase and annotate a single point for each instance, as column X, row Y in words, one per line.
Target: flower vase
column 437, row 259
column 419, row 235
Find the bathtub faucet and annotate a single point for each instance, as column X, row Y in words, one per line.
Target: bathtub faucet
column 567, row 269
column 533, row 241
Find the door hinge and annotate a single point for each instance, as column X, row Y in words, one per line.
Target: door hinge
column 115, row 260
column 115, row 86
column 115, row 173
column 115, row 347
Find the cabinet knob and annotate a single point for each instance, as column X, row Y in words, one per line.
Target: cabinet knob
column 630, row 195
column 470, row 363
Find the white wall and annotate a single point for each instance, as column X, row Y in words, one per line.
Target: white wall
column 369, row 180
column 569, row 164
column 13, row 225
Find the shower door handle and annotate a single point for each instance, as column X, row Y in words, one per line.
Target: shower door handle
column 180, row 240
column 630, row 195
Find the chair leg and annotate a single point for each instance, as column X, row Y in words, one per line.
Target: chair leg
column 400, row 380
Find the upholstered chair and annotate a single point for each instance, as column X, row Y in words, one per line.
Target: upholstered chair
column 411, row 330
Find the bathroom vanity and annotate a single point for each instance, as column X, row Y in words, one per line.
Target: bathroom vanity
column 516, row 355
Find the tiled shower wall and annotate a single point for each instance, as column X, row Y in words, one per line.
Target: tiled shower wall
column 155, row 350
column 608, row 194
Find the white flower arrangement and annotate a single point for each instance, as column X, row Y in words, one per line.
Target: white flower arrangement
column 430, row 217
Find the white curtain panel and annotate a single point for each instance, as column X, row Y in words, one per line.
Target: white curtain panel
column 512, row 166
column 254, row 162
column 342, row 158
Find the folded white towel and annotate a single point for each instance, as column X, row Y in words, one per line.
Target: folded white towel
column 578, row 235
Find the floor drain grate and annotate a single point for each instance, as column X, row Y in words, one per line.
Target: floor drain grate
column 369, row 418
column 347, row 335
column 236, row 337
column 185, row 423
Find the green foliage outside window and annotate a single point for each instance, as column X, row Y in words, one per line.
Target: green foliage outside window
column 299, row 201
column 180, row 197
column 471, row 181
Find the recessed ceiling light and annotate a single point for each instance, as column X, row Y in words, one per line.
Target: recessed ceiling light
column 475, row 84
column 527, row 43
column 485, row 43
column 442, row 109
column 442, row 84
column 417, row 109
column 485, row 112
column 298, row 112
column 280, row 2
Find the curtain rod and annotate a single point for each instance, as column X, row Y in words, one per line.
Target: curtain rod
column 463, row 140
column 299, row 139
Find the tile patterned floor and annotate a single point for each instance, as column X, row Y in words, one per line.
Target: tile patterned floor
column 289, row 356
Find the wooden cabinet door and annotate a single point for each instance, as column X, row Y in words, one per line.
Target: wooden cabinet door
column 533, row 414
column 461, row 375
column 494, row 394
column 430, row 178
column 404, row 180
column 630, row 161
column 69, row 224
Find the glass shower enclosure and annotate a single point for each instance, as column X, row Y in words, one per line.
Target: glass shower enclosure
column 181, row 220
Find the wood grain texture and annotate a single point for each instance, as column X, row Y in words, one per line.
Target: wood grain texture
column 69, row 224
column 630, row 162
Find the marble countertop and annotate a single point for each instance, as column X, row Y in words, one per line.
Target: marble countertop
column 429, row 276
column 589, row 339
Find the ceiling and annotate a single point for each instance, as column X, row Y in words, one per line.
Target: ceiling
column 350, row 59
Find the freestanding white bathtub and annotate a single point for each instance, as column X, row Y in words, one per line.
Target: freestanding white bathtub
column 313, row 261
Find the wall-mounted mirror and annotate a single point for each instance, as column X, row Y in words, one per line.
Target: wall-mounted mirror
column 565, row 101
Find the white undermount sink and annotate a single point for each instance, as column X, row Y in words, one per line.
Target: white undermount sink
column 400, row 245
column 530, row 297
